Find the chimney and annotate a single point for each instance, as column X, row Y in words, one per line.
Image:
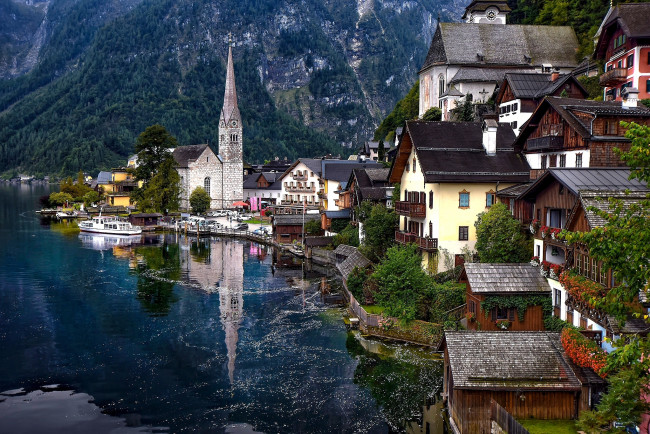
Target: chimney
column 490, row 136
column 555, row 75
column 630, row 97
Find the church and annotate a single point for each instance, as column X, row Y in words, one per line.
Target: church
column 222, row 175
column 470, row 59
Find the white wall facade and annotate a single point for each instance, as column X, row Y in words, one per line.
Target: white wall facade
column 535, row 159
column 206, row 166
column 298, row 185
column 510, row 112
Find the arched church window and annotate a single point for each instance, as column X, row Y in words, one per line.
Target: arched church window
column 234, row 137
column 441, row 85
column 206, row 185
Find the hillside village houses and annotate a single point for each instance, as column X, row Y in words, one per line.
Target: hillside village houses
column 471, row 58
column 449, row 172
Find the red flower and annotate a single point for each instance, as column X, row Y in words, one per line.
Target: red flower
column 582, row 351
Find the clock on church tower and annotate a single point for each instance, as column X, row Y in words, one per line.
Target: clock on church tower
column 487, row 12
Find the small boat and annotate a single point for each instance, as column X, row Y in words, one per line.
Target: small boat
column 62, row 215
column 109, row 225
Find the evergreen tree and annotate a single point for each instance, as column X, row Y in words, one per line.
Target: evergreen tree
column 464, row 111
column 381, row 151
column 163, row 191
column 199, row 200
column 433, row 114
column 499, row 237
column 152, row 147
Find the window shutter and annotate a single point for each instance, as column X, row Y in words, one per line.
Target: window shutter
column 511, row 314
column 423, row 198
column 494, row 314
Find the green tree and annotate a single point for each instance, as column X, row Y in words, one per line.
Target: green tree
column 499, row 237
column 623, row 244
column 348, row 236
column 60, row 198
column 433, row 114
column 312, row 227
column 405, row 109
column 464, row 110
column 402, row 282
column 199, row 200
column 379, row 231
column 91, row 197
column 152, row 147
column 161, row 195
column 381, row 151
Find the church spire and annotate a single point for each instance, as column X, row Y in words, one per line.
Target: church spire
column 230, row 109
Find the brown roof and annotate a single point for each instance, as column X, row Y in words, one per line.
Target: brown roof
column 632, row 18
column 509, row 361
column 513, row 191
column 600, row 201
column 453, row 152
column 505, row 278
column 293, row 219
column 354, row 259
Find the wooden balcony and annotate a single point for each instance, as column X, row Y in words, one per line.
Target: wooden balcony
column 299, row 177
column 404, row 237
column 613, row 77
column 297, row 189
column 547, row 143
column 410, row 209
column 424, row 243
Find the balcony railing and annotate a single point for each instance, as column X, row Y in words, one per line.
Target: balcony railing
column 545, row 143
column 613, row 77
column 300, row 189
column 299, row 177
column 424, row 243
column 410, row 209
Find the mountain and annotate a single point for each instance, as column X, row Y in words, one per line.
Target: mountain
column 80, row 79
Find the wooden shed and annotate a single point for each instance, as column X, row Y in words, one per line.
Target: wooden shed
column 288, row 228
column 145, row 219
column 527, row 373
column 487, row 281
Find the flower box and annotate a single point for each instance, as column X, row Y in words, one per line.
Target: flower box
column 534, row 261
column 534, row 226
column 503, row 324
column 555, row 232
column 582, row 351
column 543, row 231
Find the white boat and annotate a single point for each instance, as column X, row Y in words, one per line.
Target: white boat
column 109, row 225
column 66, row 215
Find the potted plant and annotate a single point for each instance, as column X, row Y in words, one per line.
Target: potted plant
column 554, row 271
column 555, row 232
column 543, row 231
column 471, row 316
column 503, row 324
column 534, row 261
column 534, row 226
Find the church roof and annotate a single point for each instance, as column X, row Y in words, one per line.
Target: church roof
column 504, row 45
column 489, row 75
column 186, row 154
column 230, row 109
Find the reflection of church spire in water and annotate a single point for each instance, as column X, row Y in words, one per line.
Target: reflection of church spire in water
column 231, row 300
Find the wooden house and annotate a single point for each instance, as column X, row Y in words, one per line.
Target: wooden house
column 288, row 228
column 145, row 219
column 561, row 199
column 489, row 281
column 568, row 132
column 520, row 94
column 369, row 185
column 527, row 373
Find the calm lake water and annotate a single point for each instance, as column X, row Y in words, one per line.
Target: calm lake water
column 173, row 334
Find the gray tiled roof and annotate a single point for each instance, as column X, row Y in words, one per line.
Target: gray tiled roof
column 185, row 154
column 633, row 18
column 104, row 178
column 632, row 326
column 378, row 175
column 340, row 170
column 293, row 219
column 513, row 191
column 509, row 360
column 353, row 259
column 602, row 179
column 338, row 214
column 489, row 75
column 505, row 278
column 508, row 45
column 527, row 85
column 600, row 200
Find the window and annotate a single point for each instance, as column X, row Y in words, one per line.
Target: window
column 513, row 125
column 234, row 137
column 647, row 83
column 206, row 185
column 555, row 218
column 543, row 162
column 406, row 195
column 558, row 298
column 552, row 161
column 408, row 167
column 441, row 85
column 503, row 313
column 515, row 106
column 415, row 164
column 490, row 198
column 610, row 128
column 630, row 61
column 431, row 200
column 463, row 199
column 620, row 64
column 463, row 233
column 578, row 160
column 471, row 306
column 562, row 160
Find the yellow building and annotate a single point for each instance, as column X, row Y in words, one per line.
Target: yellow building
column 118, row 190
column 449, row 172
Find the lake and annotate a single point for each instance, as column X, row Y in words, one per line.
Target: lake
column 166, row 333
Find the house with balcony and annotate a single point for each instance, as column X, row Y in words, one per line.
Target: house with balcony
column 520, row 94
column 301, row 185
column 568, row 132
column 449, row 172
column 470, row 59
column 335, row 176
column 561, row 199
column 368, row 185
column 623, row 44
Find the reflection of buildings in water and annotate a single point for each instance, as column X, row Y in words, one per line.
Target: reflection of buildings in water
column 218, row 266
column 432, row 420
column 260, row 251
column 231, row 299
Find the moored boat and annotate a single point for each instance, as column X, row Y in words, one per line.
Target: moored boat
column 109, row 225
column 61, row 215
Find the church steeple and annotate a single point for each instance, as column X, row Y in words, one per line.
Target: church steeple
column 230, row 110
column 487, row 12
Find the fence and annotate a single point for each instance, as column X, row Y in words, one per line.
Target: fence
column 505, row 420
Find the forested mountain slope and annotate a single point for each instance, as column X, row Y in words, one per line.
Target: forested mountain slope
column 310, row 75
